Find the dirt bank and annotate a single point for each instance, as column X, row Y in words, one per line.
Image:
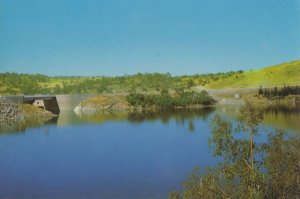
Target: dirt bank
column 103, row 103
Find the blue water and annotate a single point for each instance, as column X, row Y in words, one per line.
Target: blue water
column 115, row 159
column 136, row 156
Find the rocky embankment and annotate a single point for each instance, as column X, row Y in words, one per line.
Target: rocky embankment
column 10, row 111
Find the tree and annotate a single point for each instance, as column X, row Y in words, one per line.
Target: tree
column 248, row 170
column 190, row 83
column 260, row 91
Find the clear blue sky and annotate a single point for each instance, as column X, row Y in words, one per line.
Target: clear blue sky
column 116, row 37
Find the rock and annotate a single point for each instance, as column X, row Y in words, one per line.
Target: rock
column 78, row 108
column 9, row 110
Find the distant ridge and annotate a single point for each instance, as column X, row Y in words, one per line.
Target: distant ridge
column 277, row 75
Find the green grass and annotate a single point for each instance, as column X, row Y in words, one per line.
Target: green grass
column 278, row 75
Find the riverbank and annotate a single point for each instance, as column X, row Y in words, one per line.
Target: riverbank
column 232, row 97
column 239, row 96
column 146, row 102
column 260, row 101
column 288, row 101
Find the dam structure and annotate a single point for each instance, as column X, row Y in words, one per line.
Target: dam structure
column 47, row 102
column 53, row 103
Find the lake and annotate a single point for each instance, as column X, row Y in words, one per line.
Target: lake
column 114, row 155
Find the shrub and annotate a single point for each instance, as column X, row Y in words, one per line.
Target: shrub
column 281, row 92
column 166, row 100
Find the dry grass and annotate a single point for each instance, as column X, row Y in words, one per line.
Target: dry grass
column 115, row 101
column 33, row 111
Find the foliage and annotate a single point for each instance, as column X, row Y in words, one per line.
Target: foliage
column 249, row 170
column 173, row 195
column 14, row 83
column 166, row 100
column 279, row 92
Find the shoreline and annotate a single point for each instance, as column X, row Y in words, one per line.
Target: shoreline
column 92, row 106
column 118, row 103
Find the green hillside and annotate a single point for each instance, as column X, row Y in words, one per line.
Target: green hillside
column 15, row 83
column 278, row 75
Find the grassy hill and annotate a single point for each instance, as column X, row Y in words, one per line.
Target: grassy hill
column 278, row 75
column 15, row 83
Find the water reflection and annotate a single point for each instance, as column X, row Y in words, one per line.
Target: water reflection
column 182, row 117
column 283, row 117
column 20, row 126
column 276, row 117
column 165, row 116
column 101, row 117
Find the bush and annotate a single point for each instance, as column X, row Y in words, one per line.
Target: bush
column 282, row 92
column 248, row 167
column 166, row 100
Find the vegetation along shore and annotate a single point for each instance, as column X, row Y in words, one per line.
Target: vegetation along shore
column 267, row 86
column 139, row 101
